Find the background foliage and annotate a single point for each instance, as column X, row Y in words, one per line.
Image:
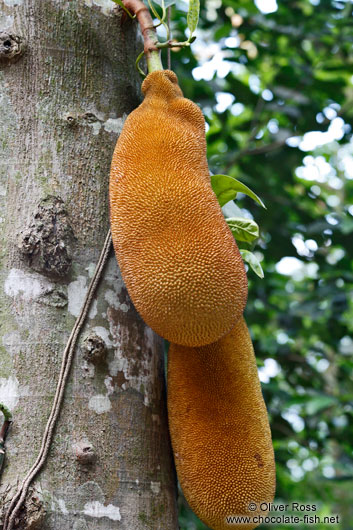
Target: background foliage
column 275, row 83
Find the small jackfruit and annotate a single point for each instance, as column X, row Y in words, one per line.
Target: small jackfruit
column 219, row 430
column 178, row 258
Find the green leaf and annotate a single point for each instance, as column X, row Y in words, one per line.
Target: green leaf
column 223, row 187
column 193, row 15
column 253, row 262
column 243, row 229
column 7, row 414
column 226, row 189
column 167, row 3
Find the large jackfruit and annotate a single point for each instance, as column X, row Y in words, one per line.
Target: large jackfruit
column 178, row 258
column 219, row 430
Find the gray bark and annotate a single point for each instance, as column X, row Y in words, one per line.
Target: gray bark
column 67, row 80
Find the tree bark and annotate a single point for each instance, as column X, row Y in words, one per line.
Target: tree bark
column 67, row 81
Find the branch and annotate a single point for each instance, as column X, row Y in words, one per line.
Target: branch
column 275, row 145
column 257, row 150
column 143, row 15
column 264, row 148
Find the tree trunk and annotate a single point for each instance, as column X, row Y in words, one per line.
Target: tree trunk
column 67, row 81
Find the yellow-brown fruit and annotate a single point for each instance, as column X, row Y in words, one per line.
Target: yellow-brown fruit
column 219, row 429
column 177, row 256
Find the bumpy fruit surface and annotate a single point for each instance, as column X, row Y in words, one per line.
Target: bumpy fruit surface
column 177, row 256
column 219, row 429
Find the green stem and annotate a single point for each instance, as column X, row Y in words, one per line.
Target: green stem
column 154, row 61
column 170, row 44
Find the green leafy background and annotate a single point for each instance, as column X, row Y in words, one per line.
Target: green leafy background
column 265, row 82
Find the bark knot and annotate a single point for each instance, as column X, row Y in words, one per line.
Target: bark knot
column 94, row 348
column 12, row 47
column 32, row 514
column 85, row 453
column 46, row 243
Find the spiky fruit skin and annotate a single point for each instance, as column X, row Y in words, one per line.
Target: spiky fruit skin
column 177, row 256
column 219, row 429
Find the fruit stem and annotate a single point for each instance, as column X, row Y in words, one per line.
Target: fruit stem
column 151, row 50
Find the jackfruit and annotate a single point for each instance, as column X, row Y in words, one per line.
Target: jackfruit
column 219, row 430
column 178, row 258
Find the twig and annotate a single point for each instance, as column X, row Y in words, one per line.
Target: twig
column 264, row 148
